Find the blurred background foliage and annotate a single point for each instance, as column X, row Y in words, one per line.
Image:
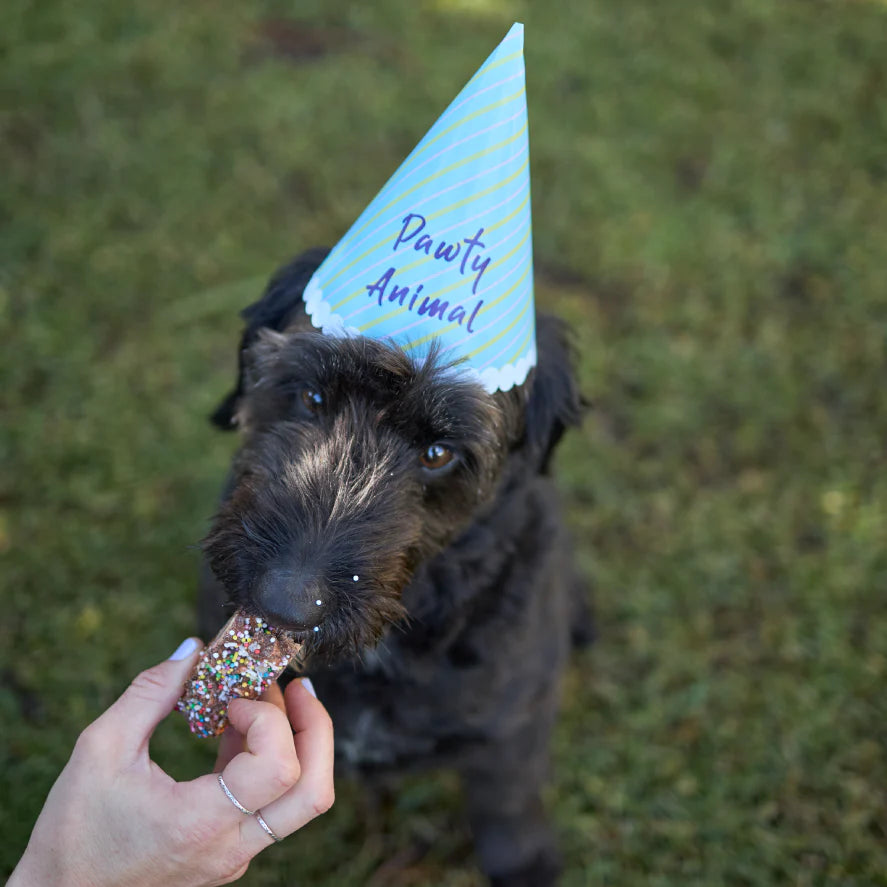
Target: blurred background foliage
column 710, row 215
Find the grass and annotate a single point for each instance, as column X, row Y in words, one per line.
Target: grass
column 710, row 214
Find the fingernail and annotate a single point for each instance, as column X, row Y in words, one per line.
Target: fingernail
column 306, row 683
column 185, row 649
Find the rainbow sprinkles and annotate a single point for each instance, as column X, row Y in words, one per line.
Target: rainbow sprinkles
column 245, row 658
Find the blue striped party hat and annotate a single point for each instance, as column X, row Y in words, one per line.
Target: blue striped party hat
column 445, row 251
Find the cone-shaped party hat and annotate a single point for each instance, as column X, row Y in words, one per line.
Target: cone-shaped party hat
column 445, row 250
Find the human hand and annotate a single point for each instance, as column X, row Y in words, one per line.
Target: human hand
column 114, row 817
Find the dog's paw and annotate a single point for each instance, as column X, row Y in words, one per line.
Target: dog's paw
column 542, row 871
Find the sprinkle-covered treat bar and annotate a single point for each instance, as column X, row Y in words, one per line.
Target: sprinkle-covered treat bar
column 244, row 659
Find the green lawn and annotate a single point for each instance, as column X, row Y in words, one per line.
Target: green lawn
column 710, row 213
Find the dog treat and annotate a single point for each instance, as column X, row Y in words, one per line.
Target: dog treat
column 246, row 656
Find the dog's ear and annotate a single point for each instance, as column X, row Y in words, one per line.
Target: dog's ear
column 279, row 304
column 554, row 403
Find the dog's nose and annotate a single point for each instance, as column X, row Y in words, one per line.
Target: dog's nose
column 290, row 599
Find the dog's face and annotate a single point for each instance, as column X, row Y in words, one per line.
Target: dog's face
column 357, row 464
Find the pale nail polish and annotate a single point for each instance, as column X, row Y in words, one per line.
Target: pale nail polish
column 185, row 649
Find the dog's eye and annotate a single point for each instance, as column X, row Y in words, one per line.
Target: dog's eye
column 437, row 456
column 310, row 401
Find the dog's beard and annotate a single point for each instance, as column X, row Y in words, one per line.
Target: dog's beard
column 322, row 545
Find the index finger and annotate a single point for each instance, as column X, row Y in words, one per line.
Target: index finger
column 266, row 769
column 233, row 742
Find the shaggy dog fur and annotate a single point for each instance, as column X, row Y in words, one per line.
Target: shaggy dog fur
column 409, row 516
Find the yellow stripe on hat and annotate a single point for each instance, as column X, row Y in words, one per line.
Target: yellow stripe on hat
column 472, row 354
column 422, row 184
column 428, row 258
column 521, row 348
column 458, row 205
column 433, row 335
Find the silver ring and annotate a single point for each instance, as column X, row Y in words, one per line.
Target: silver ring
column 265, row 826
column 234, row 800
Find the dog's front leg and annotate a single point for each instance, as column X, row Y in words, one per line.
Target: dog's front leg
column 503, row 793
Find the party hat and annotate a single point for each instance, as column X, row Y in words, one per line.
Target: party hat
column 444, row 251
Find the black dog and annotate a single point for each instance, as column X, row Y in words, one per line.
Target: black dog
column 377, row 501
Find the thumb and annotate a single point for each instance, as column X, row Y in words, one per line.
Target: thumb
column 152, row 695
